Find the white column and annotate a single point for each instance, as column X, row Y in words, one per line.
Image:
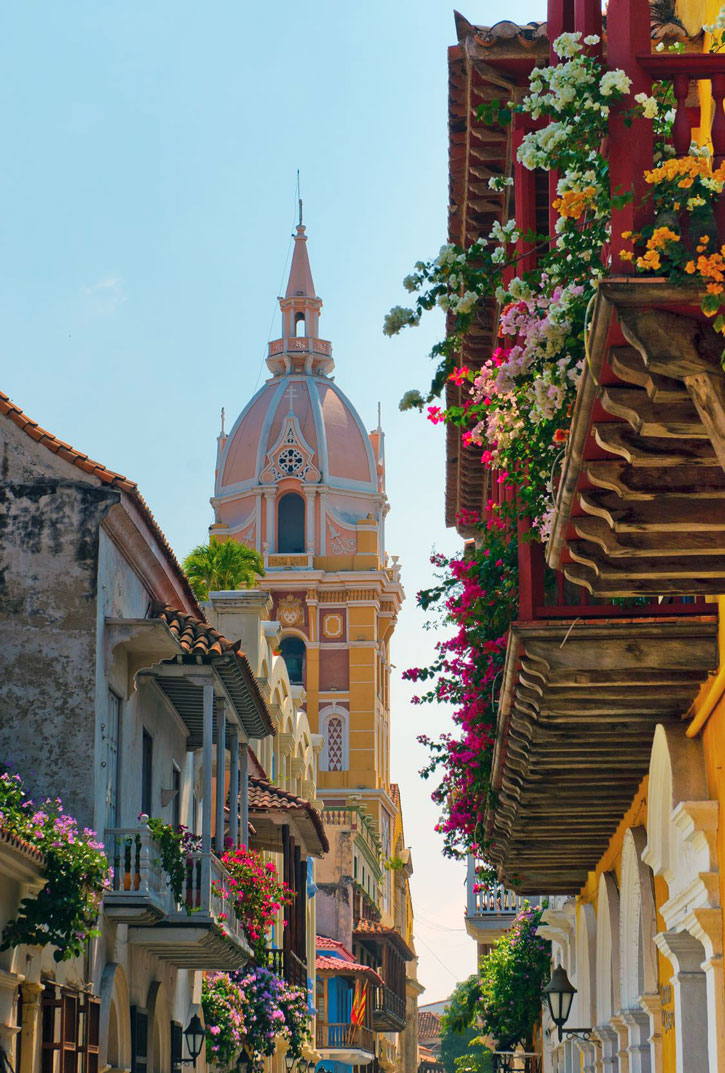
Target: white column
column 270, row 496
column 310, row 520
column 323, row 523
column 221, row 767
column 234, row 787
column 652, row 1005
column 258, row 519
column 206, row 792
column 244, row 795
column 690, row 994
column 638, row 1022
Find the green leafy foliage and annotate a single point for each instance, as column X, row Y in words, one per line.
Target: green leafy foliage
column 64, row 913
column 512, row 978
column 222, row 566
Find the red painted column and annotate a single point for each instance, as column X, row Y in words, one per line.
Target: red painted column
column 630, row 148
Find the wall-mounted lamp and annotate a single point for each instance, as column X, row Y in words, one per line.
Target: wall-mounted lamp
column 560, row 994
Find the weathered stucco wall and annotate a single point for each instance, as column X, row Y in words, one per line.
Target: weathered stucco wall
column 50, row 514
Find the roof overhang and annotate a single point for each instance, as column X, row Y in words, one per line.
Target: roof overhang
column 579, row 705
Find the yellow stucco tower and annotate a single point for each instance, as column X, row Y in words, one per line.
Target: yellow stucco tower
column 301, row 480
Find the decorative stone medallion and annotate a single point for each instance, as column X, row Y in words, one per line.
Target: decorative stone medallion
column 290, row 611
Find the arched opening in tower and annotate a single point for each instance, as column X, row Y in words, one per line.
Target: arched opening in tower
column 293, row 652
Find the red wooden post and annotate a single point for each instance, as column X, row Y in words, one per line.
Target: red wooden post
column 525, row 191
column 630, row 148
column 718, row 146
column 588, row 20
column 681, row 130
column 531, row 573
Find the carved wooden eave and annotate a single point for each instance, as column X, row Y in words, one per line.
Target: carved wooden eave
column 579, row 704
column 640, row 507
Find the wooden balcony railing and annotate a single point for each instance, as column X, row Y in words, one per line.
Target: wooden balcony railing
column 289, row 966
column 345, row 1037
column 387, row 1006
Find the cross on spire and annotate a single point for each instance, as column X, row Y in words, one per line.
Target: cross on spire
column 291, row 394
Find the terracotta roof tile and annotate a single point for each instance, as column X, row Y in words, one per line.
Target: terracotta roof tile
column 429, row 1024
column 371, row 929
column 323, row 943
column 335, row 964
column 263, row 797
column 107, row 476
column 198, row 638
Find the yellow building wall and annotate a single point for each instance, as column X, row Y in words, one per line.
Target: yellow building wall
column 611, row 861
column 713, row 742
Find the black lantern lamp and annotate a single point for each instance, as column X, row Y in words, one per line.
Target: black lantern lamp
column 560, row 994
column 243, row 1063
column 194, row 1034
column 289, row 1062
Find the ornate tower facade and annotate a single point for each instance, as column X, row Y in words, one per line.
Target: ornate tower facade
column 301, row 480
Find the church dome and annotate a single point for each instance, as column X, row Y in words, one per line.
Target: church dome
column 298, row 457
column 299, row 426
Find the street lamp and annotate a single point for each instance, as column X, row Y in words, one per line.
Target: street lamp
column 560, row 994
column 194, row 1034
column 289, row 1061
column 243, row 1062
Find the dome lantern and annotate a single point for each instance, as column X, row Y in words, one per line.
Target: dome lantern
column 300, row 350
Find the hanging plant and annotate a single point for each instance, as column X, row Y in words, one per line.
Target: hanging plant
column 64, row 913
column 176, row 844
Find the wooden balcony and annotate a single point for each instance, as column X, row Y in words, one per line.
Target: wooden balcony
column 516, row 1062
column 352, row 1044
column 388, row 1010
column 201, row 932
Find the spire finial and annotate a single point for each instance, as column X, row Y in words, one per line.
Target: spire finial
column 222, row 428
column 299, row 197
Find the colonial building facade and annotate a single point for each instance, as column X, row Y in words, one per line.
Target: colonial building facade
column 301, row 480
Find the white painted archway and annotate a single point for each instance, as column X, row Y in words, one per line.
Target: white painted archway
column 607, row 1002
column 639, row 984
column 115, row 1018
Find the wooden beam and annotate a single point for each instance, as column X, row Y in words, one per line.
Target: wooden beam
column 628, row 545
column 676, row 420
column 641, row 567
column 667, row 514
column 610, row 589
column 621, row 440
column 649, row 482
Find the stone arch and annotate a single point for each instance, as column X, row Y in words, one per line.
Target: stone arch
column 115, row 1018
column 159, row 1038
column 640, row 999
column 607, row 948
column 586, row 939
column 676, row 774
column 638, row 922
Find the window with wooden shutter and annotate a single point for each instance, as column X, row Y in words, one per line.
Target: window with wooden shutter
column 139, row 1039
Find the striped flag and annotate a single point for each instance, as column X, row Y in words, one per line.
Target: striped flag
column 357, row 1014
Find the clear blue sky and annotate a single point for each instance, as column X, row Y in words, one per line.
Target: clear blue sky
column 146, row 202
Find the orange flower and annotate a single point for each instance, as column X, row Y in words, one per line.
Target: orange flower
column 626, row 255
column 573, row 203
